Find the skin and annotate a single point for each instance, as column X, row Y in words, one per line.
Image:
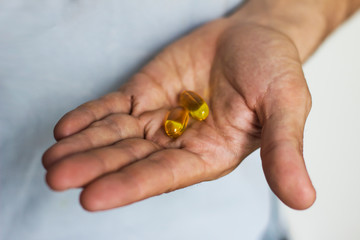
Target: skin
column 248, row 67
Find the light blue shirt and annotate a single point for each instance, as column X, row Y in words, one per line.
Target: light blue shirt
column 55, row 55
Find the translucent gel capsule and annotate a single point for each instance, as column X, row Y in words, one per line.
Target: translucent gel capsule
column 176, row 121
column 196, row 106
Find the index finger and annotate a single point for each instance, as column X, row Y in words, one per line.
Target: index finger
column 161, row 172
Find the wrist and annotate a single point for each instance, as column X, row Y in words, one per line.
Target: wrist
column 305, row 22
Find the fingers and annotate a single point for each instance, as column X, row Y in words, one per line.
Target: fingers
column 133, row 98
column 79, row 169
column 161, row 172
column 84, row 115
column 102, row 133
column 281, row 147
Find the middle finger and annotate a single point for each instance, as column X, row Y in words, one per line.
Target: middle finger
column 79, row 169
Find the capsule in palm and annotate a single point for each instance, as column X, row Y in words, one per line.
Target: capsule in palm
column 196, row 106
column 176, row 121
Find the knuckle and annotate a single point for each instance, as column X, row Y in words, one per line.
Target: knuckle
column 306, row 98
column 309, row 102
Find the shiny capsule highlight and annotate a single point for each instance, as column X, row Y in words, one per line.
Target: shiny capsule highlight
column 196, row 106
column 176, row 121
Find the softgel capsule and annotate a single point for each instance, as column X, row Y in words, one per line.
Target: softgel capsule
column 176, row 121
column 177, row 118
column 196, row 106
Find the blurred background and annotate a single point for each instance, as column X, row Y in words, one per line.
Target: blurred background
column 331, row 141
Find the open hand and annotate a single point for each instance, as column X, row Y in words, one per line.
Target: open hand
column 116, row 149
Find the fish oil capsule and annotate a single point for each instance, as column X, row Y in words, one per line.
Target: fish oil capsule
column 196, row 106
column 176, row 121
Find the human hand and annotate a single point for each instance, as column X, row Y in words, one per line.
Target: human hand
column 251, row 76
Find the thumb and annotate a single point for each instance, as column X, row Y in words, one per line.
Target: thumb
column 284, row 114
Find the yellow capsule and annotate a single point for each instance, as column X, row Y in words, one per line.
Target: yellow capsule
column 194, row 104
column 176, row 121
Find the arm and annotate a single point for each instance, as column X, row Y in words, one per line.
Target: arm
column 307, row 23
column 248, row 68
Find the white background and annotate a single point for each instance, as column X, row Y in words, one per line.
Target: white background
column 331, row 142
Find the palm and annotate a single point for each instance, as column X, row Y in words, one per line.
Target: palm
column 116, row 146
